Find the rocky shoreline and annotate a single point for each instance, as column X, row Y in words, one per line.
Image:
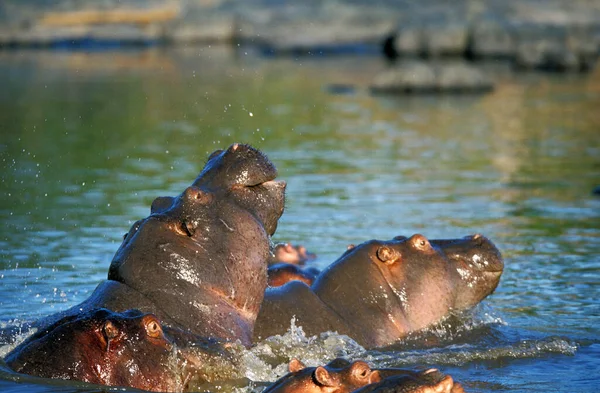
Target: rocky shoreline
column 435, row 43
column 549, row 35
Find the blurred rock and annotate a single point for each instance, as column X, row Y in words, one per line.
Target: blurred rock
column 492, row 36
column 432, row 35
column 427, row 77
column 554, row 47
column 557, row 35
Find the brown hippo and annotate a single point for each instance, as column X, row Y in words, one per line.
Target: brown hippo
column 341, row 376
column 288, row 253
column 379, row 291
column 282, row 273
column 199, row 260
column 286, row 264
column 116, row 349
column 338, row 376
column 406, row 381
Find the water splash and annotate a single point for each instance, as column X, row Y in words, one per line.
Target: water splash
column 12, row 334
column 268, row 360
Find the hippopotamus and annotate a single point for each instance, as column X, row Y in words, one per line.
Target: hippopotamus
column 288, row 253
column 342, row 376
column 116, row 349
column 407, row 381
column 286, row 264
column 380, row 291
column 338, row 376
column 198, row 261
column 282, row 273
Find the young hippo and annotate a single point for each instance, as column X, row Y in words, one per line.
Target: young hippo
column 286, row 263
column 288, row 253
column 198, row 260
column 341, row 376
column 379, row 291
column 338, row 376
column 404, row 381
column 282, row 273
column 116, row 349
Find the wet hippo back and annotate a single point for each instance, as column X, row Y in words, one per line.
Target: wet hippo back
column 380, row 291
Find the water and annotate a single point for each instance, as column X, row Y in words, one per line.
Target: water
column 89, row 140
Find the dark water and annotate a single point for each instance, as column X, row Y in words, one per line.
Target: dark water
column 88, row 141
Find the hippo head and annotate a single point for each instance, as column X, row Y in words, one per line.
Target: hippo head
column 201, row 257
column 287, row 253
column 247, row 177
column 479, row 266
column 408, row 381
column 103, row 347
column 243, row 175
column 405, row 284
column 338, row 376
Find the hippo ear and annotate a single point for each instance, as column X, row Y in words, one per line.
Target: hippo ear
column 323, row 378
column 350, row 247
column 161, row 204
column 387, row 255
column 446, row 385
column 295, row 365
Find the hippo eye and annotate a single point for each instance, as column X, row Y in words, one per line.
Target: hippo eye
column 153, row 329
column 420, row 242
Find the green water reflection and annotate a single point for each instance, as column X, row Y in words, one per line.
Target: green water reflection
column 89, row 140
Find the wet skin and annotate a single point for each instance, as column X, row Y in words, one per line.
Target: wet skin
column 341, row 376
column 286, row 264
column 199, row 260
column 288, row 253
column 379, row 291
column 338, row 376
column 406, row 381
column 116, row 349
column 282, row 273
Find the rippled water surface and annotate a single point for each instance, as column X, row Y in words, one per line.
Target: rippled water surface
column 88, row 141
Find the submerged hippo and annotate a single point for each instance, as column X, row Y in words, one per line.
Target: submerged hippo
column 286, row 264
column 338, row 376
column 341, row 376
column 199, row 260
column 288, row 253
column 379, row 291
column 282, row 273
column 405, row 381
column 115, row 349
